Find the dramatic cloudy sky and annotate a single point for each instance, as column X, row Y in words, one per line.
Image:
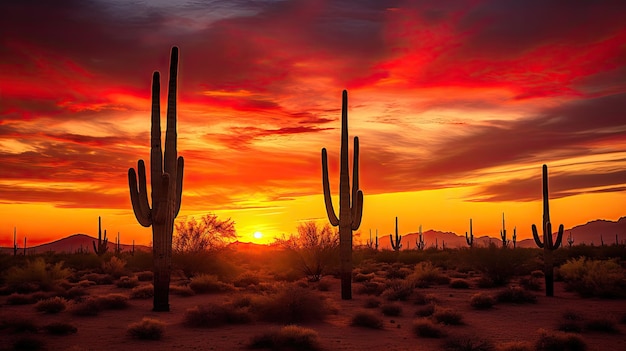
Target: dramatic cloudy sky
column 457, row 104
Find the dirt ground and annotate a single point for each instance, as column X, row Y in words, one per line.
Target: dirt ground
column 501, row 324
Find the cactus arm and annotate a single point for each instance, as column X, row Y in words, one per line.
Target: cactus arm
column 393, row 245
column 170, row 133
column 559, row 238
column 139, row 197
column 95, row 249
column 358, row 214
column 536, row 237
column 179, row 185
column 156, row 152
column 332, row 217
column 355, row 185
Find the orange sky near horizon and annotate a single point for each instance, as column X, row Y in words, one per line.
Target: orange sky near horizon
column 456, row 105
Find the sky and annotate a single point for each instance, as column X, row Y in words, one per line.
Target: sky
column 457, row 105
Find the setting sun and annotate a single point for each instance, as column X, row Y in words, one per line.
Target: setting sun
column 257, row 235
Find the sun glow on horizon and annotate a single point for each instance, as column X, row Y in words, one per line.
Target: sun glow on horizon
column 257, row 235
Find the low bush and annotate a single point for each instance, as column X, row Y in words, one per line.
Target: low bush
column 602, row 325
column 559, row 341
column 145, row 276
column 76, row 292
column 89, row 307
column 215, row 315
column 52, row 305
column 427, row 329
column 391, row 309
column 20, row 299
column 367, row 319
column 371, row 302
column 206, row 283
column 98, row 278
column 482, row 301
column 426, row 311
column 467, row 343
column 184, row 291
column 398, row 290
column 60, row 328
column 360, row 277
column 531, row 283
column 147, row 329
column 515, row 346
column 290, row 337
column 142, row 292
column 571, row 322
column 292, row 304
column 113, row 302
column 35, row 275
column 246, row 280
column 448, row 316
column 115, row 267
column 516, row 295
column 370, row 288
column 598, row 278
column 127, row 282
column 459, row 284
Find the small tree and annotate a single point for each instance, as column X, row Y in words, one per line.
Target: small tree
column 208, row 233
column 314, row 248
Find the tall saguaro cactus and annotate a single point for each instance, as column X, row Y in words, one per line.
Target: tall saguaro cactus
column 503, row 233
column 470, row 238
column 166, row 176
column 548, row 245
column 396, row 244
column 103, row 244
column 419, row 242
column 350, row 202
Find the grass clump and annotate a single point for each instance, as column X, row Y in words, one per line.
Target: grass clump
column 292, row 304
column 147, row 329
column 367, row 319
column 391, row 309
column 89, row 307
column 142, row 292
column 448, row 316
column 482, row 301
column 459, row 284
column 398, row 290
column 184, row 291
column 290, row 337
column 113, row 302
column 559, row 342
column 207, row 283
column 127, row 282
column 425, row 311
column 372, row 302
column 427, row 329
column 599, row 278
column 35, row 275
column 52, row 305
column 215, row 315
column 516, row 295
column 98, row 278
column 466, row 343
column 60, row 328
column 115, row 267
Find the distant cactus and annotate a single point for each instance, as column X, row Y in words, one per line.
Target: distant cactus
column 24, row 246
column 14, row 241
column 350, row 203
column 503, row 233
column 396, row 244
column 118, row 248
column 166, row 175
column 547, row 245
column 470, row 238
column 514, row 237
column 103, row 244
column 371, row 243
column 601, row 241
column 443, row 244
column 132, row 253
column 570, row 239
column 419, row 242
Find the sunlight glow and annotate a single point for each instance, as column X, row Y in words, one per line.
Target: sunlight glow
column 258, row 235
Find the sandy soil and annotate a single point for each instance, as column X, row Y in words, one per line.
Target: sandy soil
column 501, row 324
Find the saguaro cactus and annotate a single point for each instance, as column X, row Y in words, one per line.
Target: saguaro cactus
column 570, row 239
column 547, row 245
column 103, row 244
column 350, row 203
column 419, row 242
column 514, row 237
column 470, row 238
column 14, row 241
column 396, row 244
column 166, row 176
column 503, row 233
column 371, row 243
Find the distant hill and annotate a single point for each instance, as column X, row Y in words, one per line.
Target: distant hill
column 74, row 243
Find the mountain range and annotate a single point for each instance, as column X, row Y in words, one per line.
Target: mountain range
column 593, row 232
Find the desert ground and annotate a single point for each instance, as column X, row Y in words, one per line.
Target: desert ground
column 505, row 326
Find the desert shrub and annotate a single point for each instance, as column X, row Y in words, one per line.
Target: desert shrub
column 127, row 282
column 52, row 305
column 367, row 319
column 482, row 301
column 28, row 342
column 420, row 298
column 290, row 337
column 485, row 283
column 292, row 304
column 85, row 283
column 360, row 277
column 516, row 295
column 184, row 291
column 324, row 284
column 427, row 329
column 20, row 299
column 142, row 292
column 75, row 292
column 426, row 311
column 115, row 267
column 60, row 328
column 448, row 316
column 246, row 279
column 18, row 324
column 147, row 329
column 35, row 275
column 215, row 315
column 499, row 265
column 370, row 288
column 559, row 342
column 98, row 278
column 603, row 325
column 113, row 302
column 371, row 302
column 145, row 276
column 515, row 346
column 571, row 322
column 425, row 273
column 398, row 290
column 206, row 283
column 594, row 277
column 391, row 309
column 537, row 274
column 531, row 283
column 89, row 307
column 466, row 343
column 459, row 284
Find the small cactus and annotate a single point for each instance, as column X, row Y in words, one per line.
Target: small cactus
column 470, row 238
column 14, row 241
column 514, row 237
column 103, row 244
column 396, row 244
column 570, row 239
column 503, row 233
column 118, row 248
column 419, row 242
column 373, row 243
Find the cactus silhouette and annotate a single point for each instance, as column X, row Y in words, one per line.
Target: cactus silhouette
column 396, row 244
column 102, row 246
column 371, row 243
column 470, row 238
column 419, row 242
column 118, row 248
column 166, row 176
column 14, row 241
column 514, row 237
column 570, row 239
column 350, row 203
column 547, row 245
column 503, row 233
